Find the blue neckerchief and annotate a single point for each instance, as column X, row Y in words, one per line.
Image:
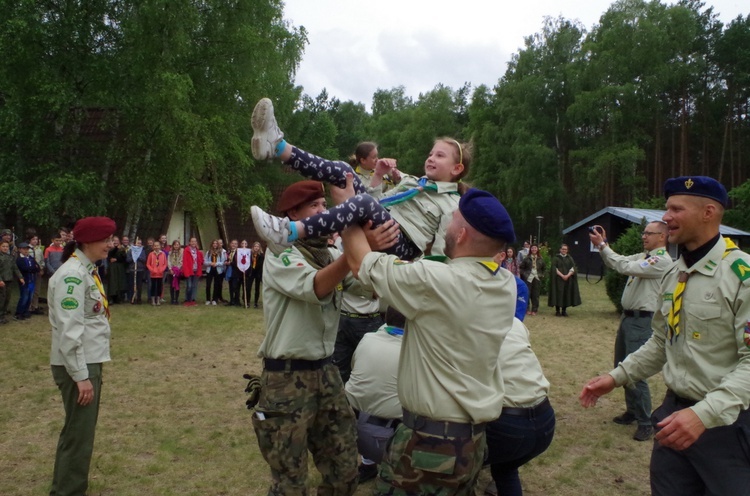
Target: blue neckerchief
column 394, row 331
column 408, row 194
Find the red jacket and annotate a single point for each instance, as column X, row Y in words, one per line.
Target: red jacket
column 187, row 263
column 156, row 264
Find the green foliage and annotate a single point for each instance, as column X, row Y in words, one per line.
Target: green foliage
column 628, row 243
column 739, row 215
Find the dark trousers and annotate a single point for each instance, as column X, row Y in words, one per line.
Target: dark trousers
column 535, row 288
column 191, row 289
column 631, row 335
column 24, row 299
column 135, row 285
column 514, row 440
column 76, row 444
column 236, row 289
column 257, row 279
column 5, row 293
column 718, row 463
column 173, row 293
column 213, row 280
column 157, row 285
column 351, row 332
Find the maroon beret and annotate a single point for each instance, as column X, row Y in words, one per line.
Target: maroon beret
column 299, row 193
column 90, row 229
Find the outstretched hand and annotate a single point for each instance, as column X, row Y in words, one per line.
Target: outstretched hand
column 596, row 387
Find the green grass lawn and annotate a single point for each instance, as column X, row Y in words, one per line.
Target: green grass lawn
column 173, row 419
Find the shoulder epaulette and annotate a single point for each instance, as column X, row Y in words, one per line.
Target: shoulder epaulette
column 491, row 266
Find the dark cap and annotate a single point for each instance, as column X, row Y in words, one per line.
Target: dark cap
column 90, row 229
column 487, row 215
column 704, row 186
column 299, row 193
column 23, row 244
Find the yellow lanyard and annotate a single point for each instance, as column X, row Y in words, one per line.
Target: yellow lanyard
column 673, row 321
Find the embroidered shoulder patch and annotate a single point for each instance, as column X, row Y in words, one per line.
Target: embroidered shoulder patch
column 661, row 252
column 72, row 280
column 398, row 261
column 69, row 303
column 285, row 260
column 741, row 268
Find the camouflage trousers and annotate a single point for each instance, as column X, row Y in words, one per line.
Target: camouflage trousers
column 422, row 464
column 301, row 411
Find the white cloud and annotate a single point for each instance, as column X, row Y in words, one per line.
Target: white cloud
column 359, row 46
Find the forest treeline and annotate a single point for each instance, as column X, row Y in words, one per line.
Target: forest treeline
column 116, row 107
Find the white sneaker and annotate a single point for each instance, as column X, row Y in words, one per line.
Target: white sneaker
column 266, row 133
column 213, row 303
column 274, row 230
column 208, row 303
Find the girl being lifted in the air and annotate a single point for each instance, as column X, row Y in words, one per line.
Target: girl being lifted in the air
column 423, row 207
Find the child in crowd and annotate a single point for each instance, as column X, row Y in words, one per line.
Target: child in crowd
column 8, row 271
column 423, row 207
column 213, row 261
column 174, row 264
column 156, row 265
column 192, row 268
column 29, row 269
column 256, row 272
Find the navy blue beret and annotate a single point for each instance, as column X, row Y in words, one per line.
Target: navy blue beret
column 487, row 215
column 704, row 186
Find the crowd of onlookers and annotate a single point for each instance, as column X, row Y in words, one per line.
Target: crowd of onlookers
column 165, row 270
column 169, row 270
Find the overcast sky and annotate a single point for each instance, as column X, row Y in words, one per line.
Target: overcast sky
column 359, row 46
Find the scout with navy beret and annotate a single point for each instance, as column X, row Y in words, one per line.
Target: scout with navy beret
column 457, row 315
column 701, row 344
column 79, row 316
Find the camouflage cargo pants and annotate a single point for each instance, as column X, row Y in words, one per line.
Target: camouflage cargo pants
column 301, row 411
column 422, row 464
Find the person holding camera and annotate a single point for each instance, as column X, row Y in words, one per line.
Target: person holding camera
column 640, row 300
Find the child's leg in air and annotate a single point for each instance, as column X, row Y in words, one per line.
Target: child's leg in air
column 358, row 210
column 268, row 143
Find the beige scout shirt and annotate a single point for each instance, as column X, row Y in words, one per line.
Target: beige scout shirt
column 457, row 317
column 525, row 384
column 709, row 360
column 425, row 217
column 373, row 385
column 80, row 329
column 299, row 325
column 645, row 271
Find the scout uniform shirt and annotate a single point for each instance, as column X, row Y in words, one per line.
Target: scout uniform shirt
column 458, row 314
column 425, row 217
column 525, row 384
column 709, row 360
column 366, row 177
column 298, row 324
column 80, row 329
column 645, row 271
column 373, row 384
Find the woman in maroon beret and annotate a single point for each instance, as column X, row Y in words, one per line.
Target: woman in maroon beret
column 79, row 315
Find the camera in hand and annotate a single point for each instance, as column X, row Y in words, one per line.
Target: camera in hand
column 595, row 229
